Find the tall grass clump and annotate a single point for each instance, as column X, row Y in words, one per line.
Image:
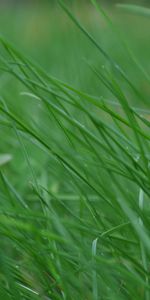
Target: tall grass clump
column 74, row 179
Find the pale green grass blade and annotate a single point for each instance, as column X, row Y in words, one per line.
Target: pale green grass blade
column 135, row 9
column 4, row 159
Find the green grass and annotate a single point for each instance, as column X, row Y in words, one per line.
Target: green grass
column 74, row 155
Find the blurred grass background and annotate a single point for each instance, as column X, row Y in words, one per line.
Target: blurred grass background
column 47, row 35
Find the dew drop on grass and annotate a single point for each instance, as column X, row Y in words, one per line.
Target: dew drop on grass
column 137, row 157
column 17, row 267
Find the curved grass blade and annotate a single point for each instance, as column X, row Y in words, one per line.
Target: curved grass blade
column 135, row 9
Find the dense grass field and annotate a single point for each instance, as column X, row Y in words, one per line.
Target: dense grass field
column 74, row 152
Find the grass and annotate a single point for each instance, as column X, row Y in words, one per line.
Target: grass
column 74, row 161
